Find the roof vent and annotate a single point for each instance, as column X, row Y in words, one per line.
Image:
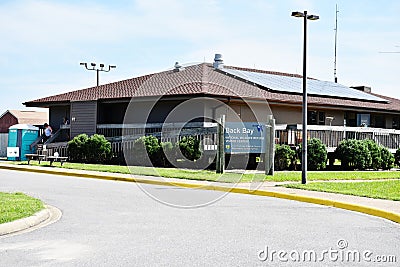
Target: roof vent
column 218, row 62
column 178, row 67
column 366, row 89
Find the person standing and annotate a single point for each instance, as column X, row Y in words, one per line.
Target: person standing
column 47, row 132
column 65, row 121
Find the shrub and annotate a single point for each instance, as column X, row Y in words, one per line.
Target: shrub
column 167, row 152
column 94, row 149
column 375, row 152
column 146, row 151
column 77, row 148
column 98, row 149
column 283, row 157
column 189, row 147
column 316, row 154
column 397, row 157
column 387, row 159
column 354, row 154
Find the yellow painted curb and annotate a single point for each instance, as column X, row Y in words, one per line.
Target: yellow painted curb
column 395, row 217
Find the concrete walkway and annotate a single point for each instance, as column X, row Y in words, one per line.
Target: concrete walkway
column 383, row 208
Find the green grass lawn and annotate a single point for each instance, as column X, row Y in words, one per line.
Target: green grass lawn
column 376, row 189
column 229, row 177
column 14, row 206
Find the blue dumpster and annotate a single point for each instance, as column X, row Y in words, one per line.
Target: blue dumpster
column 20, row 137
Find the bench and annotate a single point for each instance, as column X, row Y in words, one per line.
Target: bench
column 56, row 158
column 37, row 157
column 43, row 156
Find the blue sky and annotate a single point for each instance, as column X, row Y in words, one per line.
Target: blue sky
column 43, row 42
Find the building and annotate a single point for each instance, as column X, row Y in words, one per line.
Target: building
column 12, row 117
column 196, row 93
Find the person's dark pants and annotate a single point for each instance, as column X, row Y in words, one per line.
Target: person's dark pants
column 45, row 138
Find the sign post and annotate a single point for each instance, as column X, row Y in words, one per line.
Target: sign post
column 220, row 161
column 269, row 146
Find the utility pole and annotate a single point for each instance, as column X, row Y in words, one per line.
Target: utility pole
column 336, row 30
column 93, row 67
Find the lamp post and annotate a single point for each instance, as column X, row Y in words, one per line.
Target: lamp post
column 304, row 105
column 93, row 67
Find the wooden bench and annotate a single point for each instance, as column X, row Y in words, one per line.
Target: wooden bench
column 37, row 157
column 56, row 158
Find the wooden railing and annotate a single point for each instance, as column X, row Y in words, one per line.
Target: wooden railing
column 60, row 147
column 331, row 136
column 123, row 137
column 167, row 132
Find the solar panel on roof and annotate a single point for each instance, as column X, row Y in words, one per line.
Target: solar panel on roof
column 295, row 85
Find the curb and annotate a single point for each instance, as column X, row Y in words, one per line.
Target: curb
column 25, row 223
column 395, row 217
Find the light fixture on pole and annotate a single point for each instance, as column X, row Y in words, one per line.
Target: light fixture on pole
column 304, row 105
column 93, row 67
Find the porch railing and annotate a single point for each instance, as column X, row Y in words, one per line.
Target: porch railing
column 331, row 136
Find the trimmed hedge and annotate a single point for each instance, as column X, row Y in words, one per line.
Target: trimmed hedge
column 148, row 151
column 375, row 151
column 94, row 149
column 387, row 159
column 316, row 154
column 354, row 154
column 284, row 157
column 397, row 157
column 364, row 154
column 189, row 147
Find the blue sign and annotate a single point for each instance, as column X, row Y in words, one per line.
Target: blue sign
column 244, row 137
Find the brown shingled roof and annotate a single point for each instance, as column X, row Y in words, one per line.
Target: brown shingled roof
column 204, row 79
column 29, row 117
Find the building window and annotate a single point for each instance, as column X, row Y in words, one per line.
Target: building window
column 396, row 123
column 378, row 121
column 351, row 119
column 363, row 120
column 321, row 118
column 316, row 117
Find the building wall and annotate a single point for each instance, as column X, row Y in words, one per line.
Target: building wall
column 83, row 118
column 293, row 115
column 6, row 121
column 170, row 110
column 3, row 144
column 286, row 114
column 249, row 112
column 338, row 116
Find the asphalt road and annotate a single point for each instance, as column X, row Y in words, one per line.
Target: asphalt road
column 107, row 223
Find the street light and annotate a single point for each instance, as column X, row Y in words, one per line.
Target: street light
column 304, row 106
column 98, row 69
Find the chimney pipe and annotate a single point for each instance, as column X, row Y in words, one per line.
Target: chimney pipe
column 178, row 67
column 218, row 62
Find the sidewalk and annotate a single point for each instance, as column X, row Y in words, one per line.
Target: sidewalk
column 383, row 208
